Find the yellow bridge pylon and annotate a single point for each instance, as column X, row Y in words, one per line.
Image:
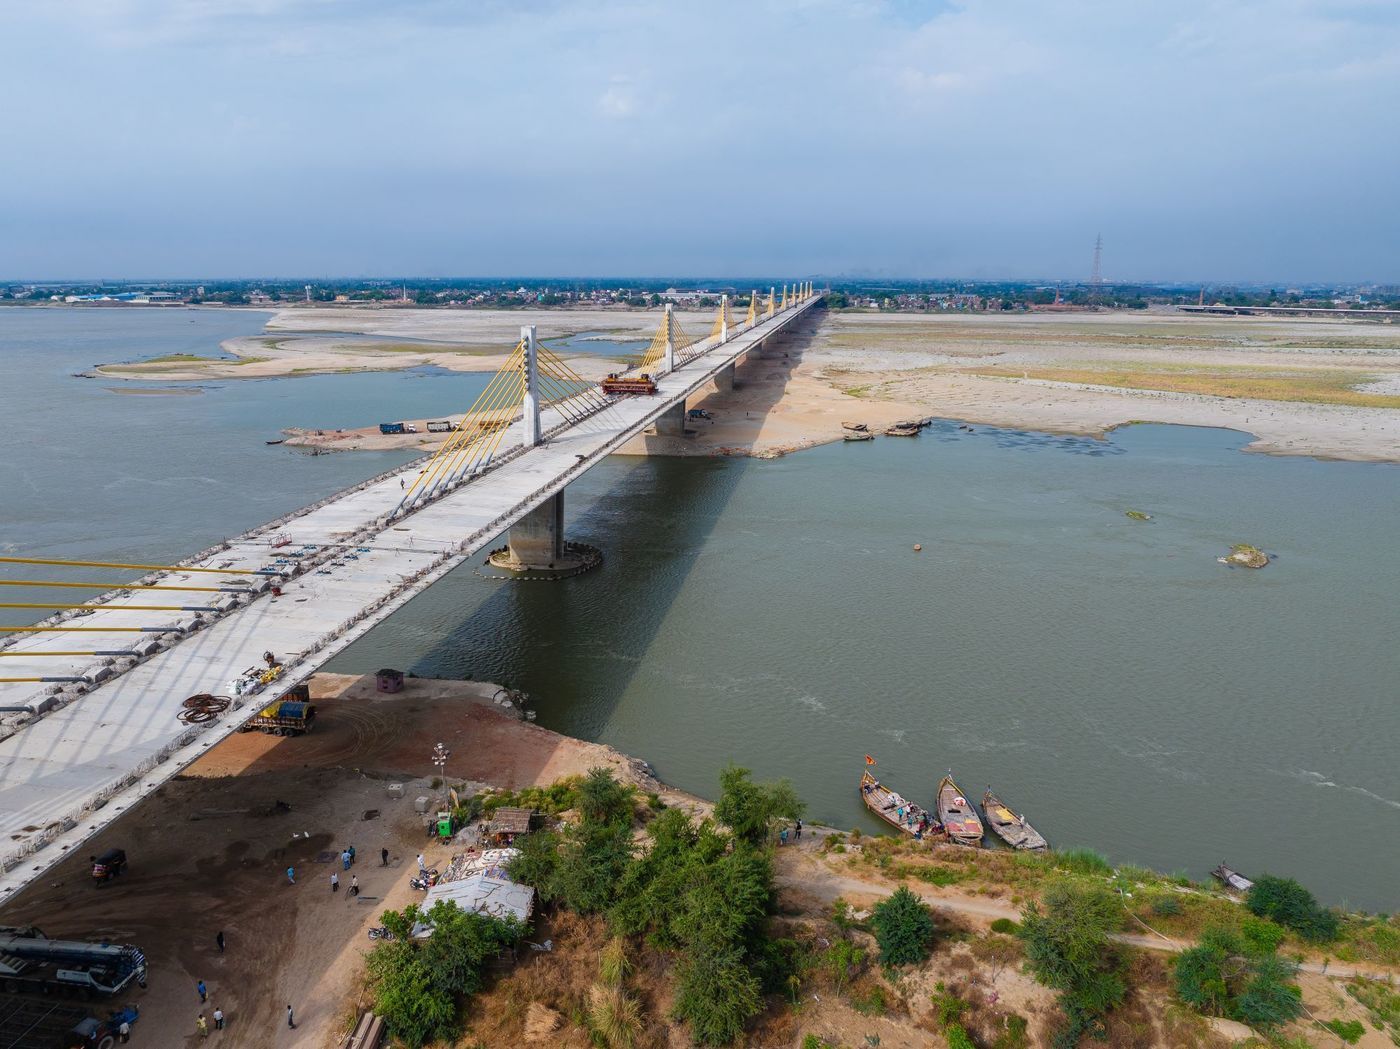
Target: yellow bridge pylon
column 480, row 432
column 670, row 341
column 724, row 321
column 753, row 309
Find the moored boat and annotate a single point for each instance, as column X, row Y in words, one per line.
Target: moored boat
column 1009, row 826
column 899, row 813
column 959, row 818
column 1233, row 880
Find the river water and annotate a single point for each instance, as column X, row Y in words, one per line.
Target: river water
column 1105, row 675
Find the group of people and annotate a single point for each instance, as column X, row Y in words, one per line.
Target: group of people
column 201, row 1024
column 796, row 833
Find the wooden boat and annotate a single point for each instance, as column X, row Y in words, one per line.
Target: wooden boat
column 858, row 435
column 955, row 812
column 904, row 816
column 902, row 430
column 1232, row 880
column 1009, row 826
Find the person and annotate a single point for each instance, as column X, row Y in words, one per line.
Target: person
column 345, row 859
column 292, row 875
column 782, row 836
column 383, row 857
column 354, row 885
column 335, row 882
column 202, row 1026
column 124, row 1032
column 797, row 831
column 218, row 1019
column 402, row 483
column 422, row 867
column 219, row 939
column 291, row 1021
column 351, row 851
column 203, row 991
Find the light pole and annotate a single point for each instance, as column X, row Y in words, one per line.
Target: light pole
column 440, row 756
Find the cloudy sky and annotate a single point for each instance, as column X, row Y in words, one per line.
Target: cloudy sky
column 1231, row 140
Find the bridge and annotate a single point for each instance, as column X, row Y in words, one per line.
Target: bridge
column 93, row 700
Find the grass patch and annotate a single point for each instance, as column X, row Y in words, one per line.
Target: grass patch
column 1370, row 939
column 1312, row 386
column 1382, row 1002
column 1081, row 861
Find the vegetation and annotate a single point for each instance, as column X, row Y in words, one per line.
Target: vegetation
column 1286, row 902
column 753, row 810
column 903, row 928
column 1349, row 1031
column 1067, row 948
column 697, row 889
column 420, row 986
column 1231, row 976
column 1382, row 1003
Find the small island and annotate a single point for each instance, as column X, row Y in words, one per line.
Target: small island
column 1246, row 556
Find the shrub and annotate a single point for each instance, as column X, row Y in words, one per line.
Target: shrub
column 1270, row 999
column 1260, row 935
column 842, row 960
column 1014, row 1035
column 1225, row 976
column 903, row 928
column 614, row 1016
column 613, row 965
column 958, row 1038
column 717, row 995
column 1166, row 906
column 1285, row 901
column 602, row 799
column 1067, row 947
column 873, row 1003
column 1005, row 926
column 750, row 809
column 947, row 1007
column 1349, row 1031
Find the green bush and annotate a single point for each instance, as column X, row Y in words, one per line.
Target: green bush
column 873, row 1003
column 1067, row 948
column 1284, row 901
column 958, row 1038
column 1014, row 1036
column 1349, row 1031
column 717, row 995
column 1226, row 975
column 1166, row 906
column 842, row 961
column 1005, row 926
column 1260, row 935
column 947, row 1007
column 903, row 928
column 750, row 809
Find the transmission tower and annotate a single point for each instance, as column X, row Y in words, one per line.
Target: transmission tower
column 1096, row 278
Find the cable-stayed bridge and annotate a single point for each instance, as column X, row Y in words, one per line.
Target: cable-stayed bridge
column 91, row 699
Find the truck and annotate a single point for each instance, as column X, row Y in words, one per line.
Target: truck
column 291, row 715
column 107, row 865
column 440, row 426
column 29, row 960
column 391, row 428
column 42, row 1023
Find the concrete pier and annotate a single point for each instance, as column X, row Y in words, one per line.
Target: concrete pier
column 536, row 544
column 724, row 379
column 671, row 422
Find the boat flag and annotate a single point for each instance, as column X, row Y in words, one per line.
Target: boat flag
column 869, row 760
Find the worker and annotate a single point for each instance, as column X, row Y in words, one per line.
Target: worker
column 354, row 885
column 335, row 882
column 292, row 875
column 269, row 658
column 383, row 857
column 218, row 1019
column 124, row 1032
column 202, row 1026
column 422, row 867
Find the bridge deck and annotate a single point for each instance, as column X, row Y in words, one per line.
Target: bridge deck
column 122, row 738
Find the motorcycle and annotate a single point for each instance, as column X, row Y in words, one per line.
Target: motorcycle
column 426, row 880
column 380, row 932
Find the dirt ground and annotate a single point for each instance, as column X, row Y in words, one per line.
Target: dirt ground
column 208, row 852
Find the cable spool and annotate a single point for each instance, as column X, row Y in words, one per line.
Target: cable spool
column 201, row 708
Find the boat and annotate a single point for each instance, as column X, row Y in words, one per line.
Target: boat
column 857, row 435
column 955, row 812
column 1233, row 880
column 904, row 816
column 1009, row 826
column 903, row 430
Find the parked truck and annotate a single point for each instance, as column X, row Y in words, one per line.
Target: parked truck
column 440, row 426
column 43, row 1023
column 291, row 715
column 29, row 960
column 391, row 428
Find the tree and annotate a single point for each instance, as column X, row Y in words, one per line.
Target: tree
column 1230, row 975
column 602, row 799
column 749, row 809
column 590, row 866
column 1068, row 949
column 903, row 928
column 1293, row 907
column 717, row 995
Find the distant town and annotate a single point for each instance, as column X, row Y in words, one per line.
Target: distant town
column 911, row 296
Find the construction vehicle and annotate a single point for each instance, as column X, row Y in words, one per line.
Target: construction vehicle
column 29, row 960
column 291, row 715
column 640, row 384
column 388, row 428
column 440, row 426
column 43, row 1023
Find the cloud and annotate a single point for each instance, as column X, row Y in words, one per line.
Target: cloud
column 618, row 101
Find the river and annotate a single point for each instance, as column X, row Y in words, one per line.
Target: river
column 1105, row 675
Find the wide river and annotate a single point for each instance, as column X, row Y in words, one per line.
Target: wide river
column 1105, row 675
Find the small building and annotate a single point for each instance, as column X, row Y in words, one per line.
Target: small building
column 506, row 824
column 483, row 887
column 388, row 680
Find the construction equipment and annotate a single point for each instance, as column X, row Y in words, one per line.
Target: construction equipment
column 639, row 384
column 30, row 960
column 108, row 865
column 291, row 715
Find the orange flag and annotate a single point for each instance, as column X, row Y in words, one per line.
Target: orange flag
column 869, row 760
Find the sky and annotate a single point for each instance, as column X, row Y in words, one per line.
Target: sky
column 1238, row 140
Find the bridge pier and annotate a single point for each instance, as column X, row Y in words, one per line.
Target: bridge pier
column 671, row 422
column 536, row 545
column 724, row 379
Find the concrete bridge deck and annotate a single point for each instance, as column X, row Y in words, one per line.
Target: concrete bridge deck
column 106, row 741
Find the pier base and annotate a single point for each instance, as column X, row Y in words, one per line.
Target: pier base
column 671, row 423
column 536, row 547
column 724, row 379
